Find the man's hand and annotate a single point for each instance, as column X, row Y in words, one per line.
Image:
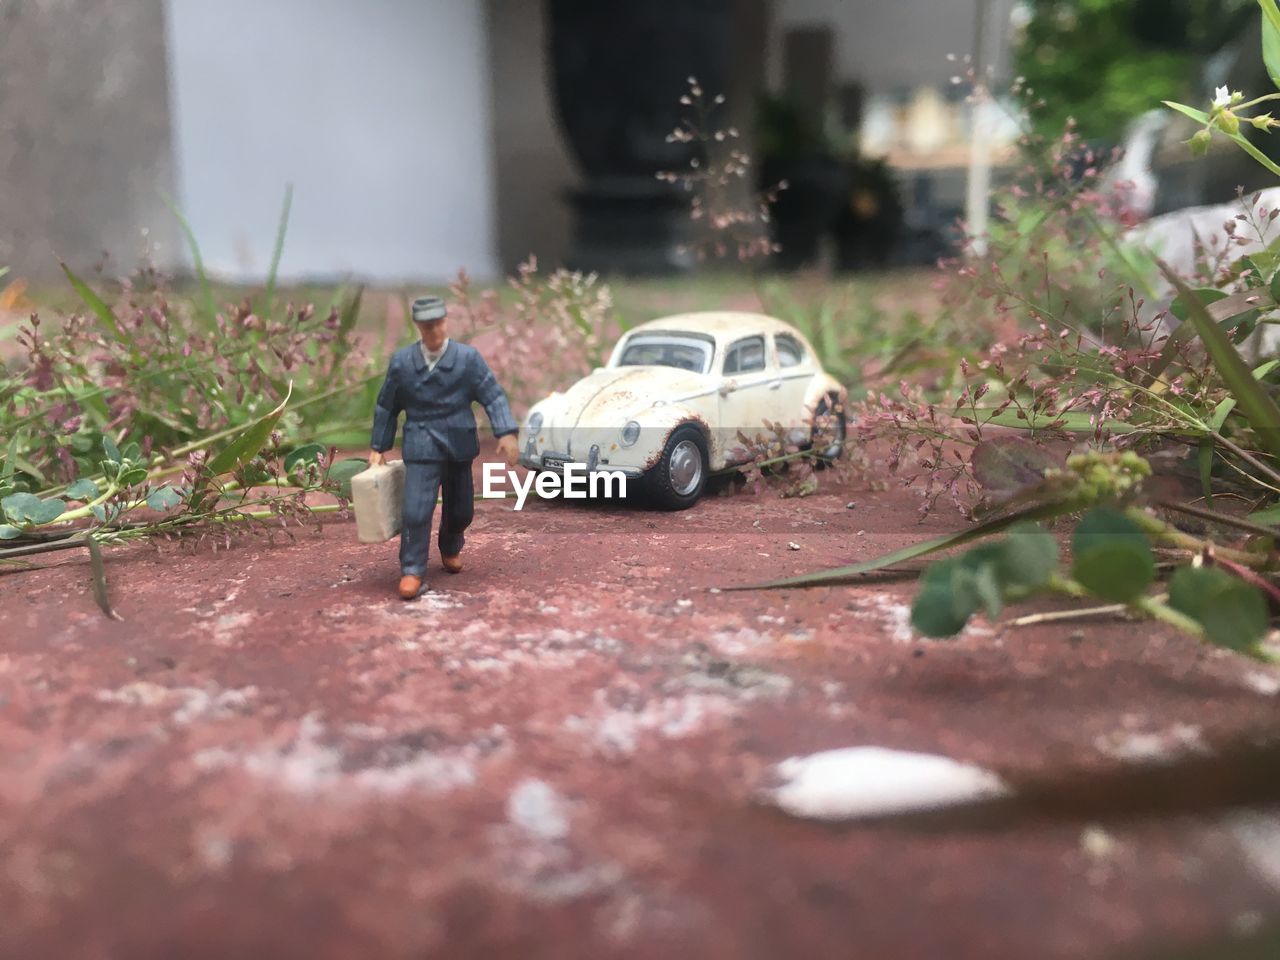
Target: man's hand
column 507, row 447
column 377, row 458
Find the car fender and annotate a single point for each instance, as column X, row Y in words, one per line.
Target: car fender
column 657, row 423
column 823, row 385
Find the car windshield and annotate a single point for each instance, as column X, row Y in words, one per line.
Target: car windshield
column 667, row 350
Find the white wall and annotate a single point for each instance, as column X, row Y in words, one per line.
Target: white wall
column 379, row 114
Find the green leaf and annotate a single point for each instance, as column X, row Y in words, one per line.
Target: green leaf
column 1007, row 464
column 1028, row 558
column 21, row 506
column 1205, row 295
column 1233, row 613
column 110, row 449
column 83, row 489
column 9, row 532
column 133, row 477
column 1221, row 311
column 96, row 304
column 1271, row 39
column 163, row 498
column 247, row 444
column 1270, row 515
column 49, row 511
column 342, row 472
column 1112, row 556
column 1043, row 511
column 1242, row 322
column 946, row 601
column 1251, row 397
column 307, row 453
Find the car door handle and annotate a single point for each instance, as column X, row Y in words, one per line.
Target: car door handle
column 775, row 384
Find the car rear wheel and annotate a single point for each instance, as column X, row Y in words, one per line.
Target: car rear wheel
column 677, row 480
column 832, row 439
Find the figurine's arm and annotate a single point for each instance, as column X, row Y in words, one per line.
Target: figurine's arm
column 385, row 414
column 494, row 400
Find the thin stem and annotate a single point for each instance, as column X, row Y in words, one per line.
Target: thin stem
column 1184, row 541
column 1055, row 616
column 1212, row 516
column 1247, row 457
column 1158, row 610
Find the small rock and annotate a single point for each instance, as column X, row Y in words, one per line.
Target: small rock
column 792, row 545
column 850, row 505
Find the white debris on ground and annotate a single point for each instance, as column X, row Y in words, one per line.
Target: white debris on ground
column 1267, row 684
column 315, row 761
column 1160, row 746
column 536, row 808
column 188, row 704
column 859, row 782
column 1259, row 837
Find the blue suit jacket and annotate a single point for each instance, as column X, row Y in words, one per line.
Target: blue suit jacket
column 439, row 423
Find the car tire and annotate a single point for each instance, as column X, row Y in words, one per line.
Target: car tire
column 677, row 480
column 835, row 450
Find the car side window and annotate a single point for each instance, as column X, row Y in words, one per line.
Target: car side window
column 745, row 356
column 790, row 353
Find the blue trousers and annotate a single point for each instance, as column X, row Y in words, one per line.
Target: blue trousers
column 423, row 481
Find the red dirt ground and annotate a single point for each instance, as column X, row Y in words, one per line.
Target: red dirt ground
column 557, row 753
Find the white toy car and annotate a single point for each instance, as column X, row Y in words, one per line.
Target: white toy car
column 675, row 394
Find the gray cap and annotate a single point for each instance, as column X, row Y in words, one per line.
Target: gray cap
column 428, row 308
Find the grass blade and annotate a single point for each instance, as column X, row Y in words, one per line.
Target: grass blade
column 1251, row 396
column 282, row 228
column 99, row 571
column 1043, row 511
column 197, row 261
column 1221, row 311
column 95, row 303
column 350, row 313
column 245, row 447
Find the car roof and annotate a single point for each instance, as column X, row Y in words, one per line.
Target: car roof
column 720, row 324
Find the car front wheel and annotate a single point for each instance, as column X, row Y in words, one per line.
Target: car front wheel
column 677, row 480
column 829, row 443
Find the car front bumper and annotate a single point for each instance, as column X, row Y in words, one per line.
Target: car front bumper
column 553, row 461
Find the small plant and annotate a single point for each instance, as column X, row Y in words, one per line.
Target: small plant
column 154, row 415
column 1118, row 384
column 730, row 218
column 550, row 331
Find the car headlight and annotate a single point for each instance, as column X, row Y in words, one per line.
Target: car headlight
column 534, row 423
column 630, row 433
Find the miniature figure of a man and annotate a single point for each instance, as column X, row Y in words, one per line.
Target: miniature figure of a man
column 435, row 381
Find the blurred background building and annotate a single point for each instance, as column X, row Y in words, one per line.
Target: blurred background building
column 426, row 135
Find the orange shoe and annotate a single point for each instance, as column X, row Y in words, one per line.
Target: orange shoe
column 410, row 587
column 452, row 564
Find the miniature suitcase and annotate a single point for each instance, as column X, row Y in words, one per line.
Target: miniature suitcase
column 376, row 495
